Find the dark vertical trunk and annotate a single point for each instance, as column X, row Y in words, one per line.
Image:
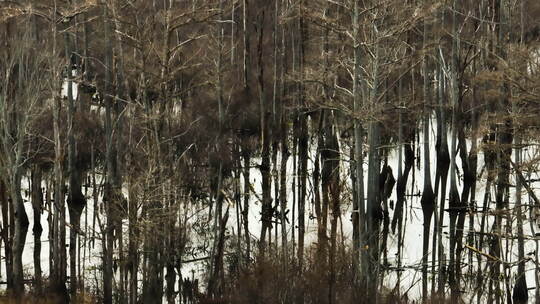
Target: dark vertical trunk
column 21, row 228
column 489, row 157
column 355, row 217
column 76, row 203
column 49, row 197
column 216, row 265
column 302, row 137
column 133, row 244
column 215, row 284
column 428, row 198
column 468, row 177
column 302, row 185
column 401, row 187
column 359, row 216
column 334, row 197
column 245, row 212
column 266, row 214
column 95, row 196
column 520, row 293
column 283, row 187
column 503, row 141
column 109, row 195
column 473, row 166
column 321, row 204
column 374, row 210
column 76, row 200
column 330, row 191
column 284, row 146
column 7, row 227
column 37, row 207
column 58, row 272
column 170, row 278
column 443, row 166
column 171, row 246
column 237, row 202
column 454, row 202
column 387, row 182
column 154, row 247
column 275, row 125
column 406, row 154
column 213, row 278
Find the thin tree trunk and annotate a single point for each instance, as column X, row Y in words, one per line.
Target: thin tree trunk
column 109, row 188
column 520, row 293
column 359, row 216
column 21, row 228
column 58, row 273
column 7, row 227
column 331, row 192
column 454, row 200
column 373, row 210
column 303, row 149
column 443, row 165
column 245, row 212
column 266, row 214
column 428, row 197
column 37, row 207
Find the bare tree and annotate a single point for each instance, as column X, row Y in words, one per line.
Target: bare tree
column 22, row 96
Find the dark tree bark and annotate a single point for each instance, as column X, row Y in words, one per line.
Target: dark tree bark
column 37, row 208
column 19, row 238
column 428, row 197
column 7, row 231
column 109, row 195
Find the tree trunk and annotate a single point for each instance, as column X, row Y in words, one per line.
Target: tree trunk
column 443, row 165
column 359, row 215
column 374, row 210
column 520, row 293
column 58, row 272
column 266, row 214
column 7, row 228
column 245, row 212
column 21, row 228
column 331, row 193
column 109, row 195
column 37, row 207
column 428, row 198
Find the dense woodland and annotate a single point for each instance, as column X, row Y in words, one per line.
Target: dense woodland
column 145, row 133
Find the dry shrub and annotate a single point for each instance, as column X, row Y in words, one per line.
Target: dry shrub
column 271, row 280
